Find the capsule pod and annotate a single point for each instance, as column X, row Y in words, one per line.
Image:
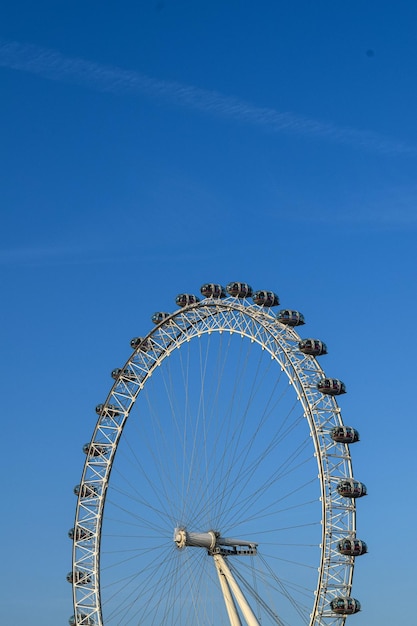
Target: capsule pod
column 79, row 533
column 183, row 299
column 143, row 344
column 116, row 373
column 85, row 490
column 95, row 449
column 135, row 342
column 211, row 290
column 290, row 318
column 314, row 347
column 352, row 547
column 351, row 488
column 239, row 290
column 79, row 577
column 159, row 317
column 123, row 373
column 331, row 386
column 108, row 409
column 344, row 434
column 81, row 620
column 345, row 606
column 265, row 298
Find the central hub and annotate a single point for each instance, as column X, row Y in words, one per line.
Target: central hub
column 199, row 540
column 213, row 542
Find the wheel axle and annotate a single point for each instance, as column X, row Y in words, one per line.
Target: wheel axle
column 214, row 543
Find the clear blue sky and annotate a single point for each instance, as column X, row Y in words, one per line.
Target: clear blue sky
column 149, row 147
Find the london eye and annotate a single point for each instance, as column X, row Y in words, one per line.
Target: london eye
column 218, row 485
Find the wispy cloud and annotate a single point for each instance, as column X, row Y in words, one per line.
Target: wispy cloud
column 66, row 255
column 51, row 255
column 382, row 208
column 53, row 65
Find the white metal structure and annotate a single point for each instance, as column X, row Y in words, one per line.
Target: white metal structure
column 216, row 502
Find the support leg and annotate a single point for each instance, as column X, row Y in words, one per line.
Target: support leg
column 224, row 571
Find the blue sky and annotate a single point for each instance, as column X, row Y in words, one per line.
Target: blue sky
column 149, row 147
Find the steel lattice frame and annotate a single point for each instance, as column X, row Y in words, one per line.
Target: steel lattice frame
column 260, row 325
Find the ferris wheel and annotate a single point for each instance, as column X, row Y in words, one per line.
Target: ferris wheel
column 217, row 487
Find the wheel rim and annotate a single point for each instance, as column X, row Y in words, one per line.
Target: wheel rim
column 284, row 474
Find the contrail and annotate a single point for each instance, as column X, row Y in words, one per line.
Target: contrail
column 53, row 65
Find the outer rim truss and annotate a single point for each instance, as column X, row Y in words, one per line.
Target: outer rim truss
column 260, row 325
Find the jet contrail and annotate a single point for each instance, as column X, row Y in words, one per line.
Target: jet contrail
column 52, row 65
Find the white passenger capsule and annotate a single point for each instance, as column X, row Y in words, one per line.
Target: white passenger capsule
column 184, row 299
column 345, row 606
column 352, row 547
column 290, row 318
column 344, row 434
column 331, row 386
column 211, row 290
column 159, row 317
column 351, row 488
column 313, row 347
column 239, row 290
column 265, row 298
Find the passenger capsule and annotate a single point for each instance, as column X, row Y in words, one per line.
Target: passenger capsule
column 85, row 491
column 81, row 620
column 159, row 317
column 350, row 488
column 143, row 344
column 265, row 298
column 79, row 533
column 211, row 290
column 95, row 449
column 352, row 547
column 79, row 577
column 345, row 606
column 344, row 434
column 123, row 373
column 314, row 347
column 239, row 290
column 331, row 386
column 108, row 409
column 290, row 318
column 135, row 342
column 183, row 299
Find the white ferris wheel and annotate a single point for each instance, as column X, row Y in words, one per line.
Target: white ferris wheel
column 217, row 487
